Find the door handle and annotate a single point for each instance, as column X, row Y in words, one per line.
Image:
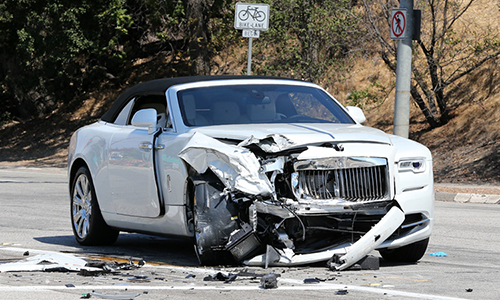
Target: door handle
column 146, row 146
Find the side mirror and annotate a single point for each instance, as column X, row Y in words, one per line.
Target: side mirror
column 145, row 118
column 356, row 113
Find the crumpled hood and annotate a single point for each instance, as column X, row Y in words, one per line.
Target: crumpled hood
column 298, row 135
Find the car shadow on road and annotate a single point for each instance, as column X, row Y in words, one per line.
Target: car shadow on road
column 152, row 249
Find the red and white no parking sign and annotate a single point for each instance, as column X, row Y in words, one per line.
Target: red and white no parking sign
column 398, row 24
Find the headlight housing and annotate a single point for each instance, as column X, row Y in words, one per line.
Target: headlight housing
column 415, row 165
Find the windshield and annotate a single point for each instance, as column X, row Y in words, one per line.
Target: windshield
column 251, row 104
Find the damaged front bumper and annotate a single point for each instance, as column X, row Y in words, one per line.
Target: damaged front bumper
column 351, row 253
column 276, row 209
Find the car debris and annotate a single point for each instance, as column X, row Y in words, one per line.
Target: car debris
column 438, row 254
column 341, row 292
column 311, row 280
column 49, row 262
column 369, row 262
column 63, row 262
column 140, row 278
column 221, row 277
column 269, row 281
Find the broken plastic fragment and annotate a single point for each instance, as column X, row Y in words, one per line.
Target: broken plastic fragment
column 311, row 280
column 439, row 254
column 48, row 262
column 221, row 277
column 372, row 239
column 140, row 278
column 269, row 281
column 368, row 262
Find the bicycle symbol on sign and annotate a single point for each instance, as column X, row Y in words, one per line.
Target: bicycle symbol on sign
column 254, row 12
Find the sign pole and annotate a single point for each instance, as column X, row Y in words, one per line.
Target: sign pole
column 403, row 71
column 249, row 61
column 252, row 18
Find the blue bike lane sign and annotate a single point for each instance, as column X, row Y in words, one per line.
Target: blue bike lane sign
column 251, row 16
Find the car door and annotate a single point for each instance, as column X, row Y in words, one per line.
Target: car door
column 131, row 171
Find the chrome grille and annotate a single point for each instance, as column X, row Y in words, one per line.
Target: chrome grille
column 350, row 184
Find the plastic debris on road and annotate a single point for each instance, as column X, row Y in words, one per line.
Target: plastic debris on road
column 439, row 254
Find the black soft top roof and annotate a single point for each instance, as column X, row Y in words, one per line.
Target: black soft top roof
column 160, row 86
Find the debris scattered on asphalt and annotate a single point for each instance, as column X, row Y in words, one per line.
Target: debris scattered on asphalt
column 311, row 280
column 269, row 281
column 221, row 277
column 439, row 254
column 342, row 292
column 140, row 278
column 48, row 262
column 368, row 262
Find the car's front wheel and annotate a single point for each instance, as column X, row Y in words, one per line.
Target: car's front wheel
column 87, row 222
column 410, row 253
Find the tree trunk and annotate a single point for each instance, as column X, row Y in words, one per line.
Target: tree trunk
column 433, row 123
column 197, row 16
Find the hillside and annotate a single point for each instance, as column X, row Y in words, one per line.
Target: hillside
column 464, row 150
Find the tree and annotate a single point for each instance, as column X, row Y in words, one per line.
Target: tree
column 307, row 37
column 448, row 51
column 50, row 50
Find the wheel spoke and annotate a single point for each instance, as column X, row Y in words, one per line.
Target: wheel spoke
column 81, row 206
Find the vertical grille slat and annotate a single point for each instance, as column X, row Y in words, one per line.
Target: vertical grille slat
column 351, row 184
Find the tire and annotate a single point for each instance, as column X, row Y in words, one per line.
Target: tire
column 89, row 227
column 410, row 253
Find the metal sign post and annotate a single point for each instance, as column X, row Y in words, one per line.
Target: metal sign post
column 251, row 18
column 402, row 30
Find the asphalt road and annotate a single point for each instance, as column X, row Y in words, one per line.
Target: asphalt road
column 34, row 217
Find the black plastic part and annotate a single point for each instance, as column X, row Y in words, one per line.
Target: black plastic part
column 243, row 243
column 214, row 221
column 269, row 281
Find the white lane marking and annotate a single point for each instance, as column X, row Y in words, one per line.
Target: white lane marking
column 320, row 286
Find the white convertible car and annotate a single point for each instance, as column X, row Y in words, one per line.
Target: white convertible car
column 255, row 170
